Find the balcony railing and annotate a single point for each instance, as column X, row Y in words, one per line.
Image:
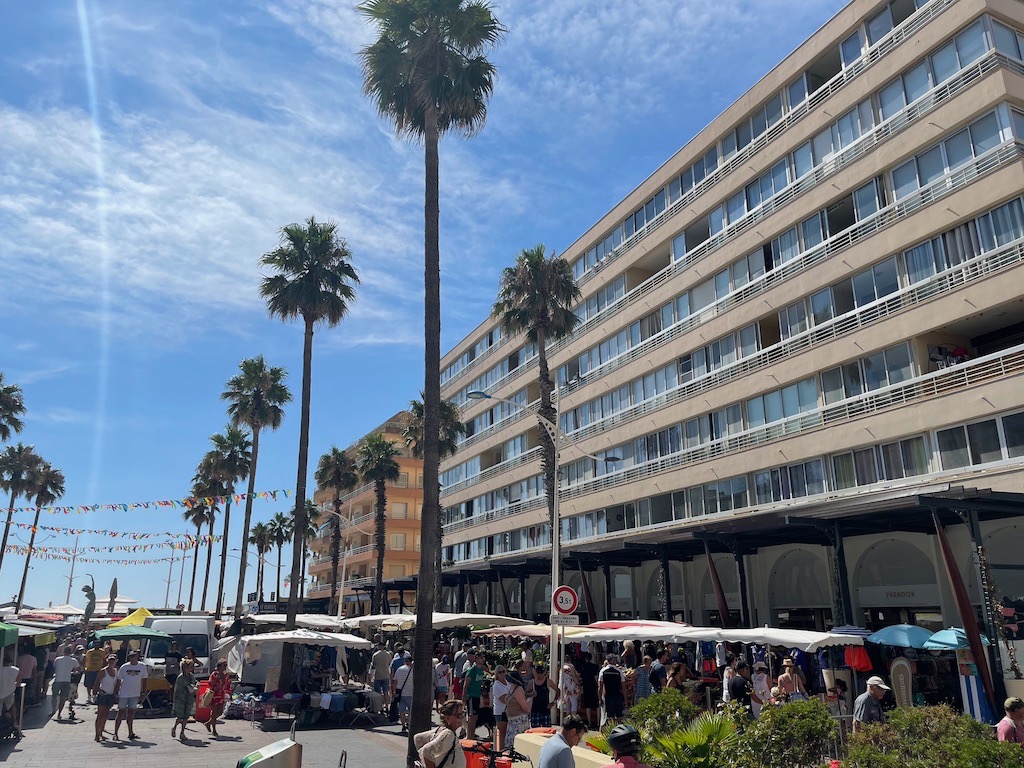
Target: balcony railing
column 909, row 27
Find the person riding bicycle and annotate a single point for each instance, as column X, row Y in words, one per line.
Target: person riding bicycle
column 625, row 743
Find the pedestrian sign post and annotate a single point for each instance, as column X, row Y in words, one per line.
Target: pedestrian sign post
column 565, row 600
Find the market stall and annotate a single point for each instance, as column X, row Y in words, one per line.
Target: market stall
column 319, row 695
column 401, row 622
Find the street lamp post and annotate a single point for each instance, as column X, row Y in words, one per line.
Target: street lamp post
column 348, row 548
column 556, row 434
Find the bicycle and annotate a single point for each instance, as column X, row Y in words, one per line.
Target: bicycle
column 492, row 755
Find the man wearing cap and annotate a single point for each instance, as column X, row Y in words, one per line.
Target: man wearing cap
column 868, row 708
column 1011, row 727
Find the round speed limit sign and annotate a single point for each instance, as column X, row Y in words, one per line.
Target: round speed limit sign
column 565, row 600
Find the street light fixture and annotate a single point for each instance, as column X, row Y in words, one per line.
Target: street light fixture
column 347, row 523
column 556, row 434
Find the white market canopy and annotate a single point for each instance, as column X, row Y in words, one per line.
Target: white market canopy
column 787, row 638
column 372, row 620
column 64, row 610
column 444, row 620
column 305, row 637
column 305, row 620
column 531, row 631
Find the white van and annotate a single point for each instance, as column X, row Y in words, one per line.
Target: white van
column 190, row 630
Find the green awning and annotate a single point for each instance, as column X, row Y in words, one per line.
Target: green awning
column 131, row 633
column 8, row 635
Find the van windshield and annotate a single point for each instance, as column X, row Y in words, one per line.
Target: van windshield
column 199, row 643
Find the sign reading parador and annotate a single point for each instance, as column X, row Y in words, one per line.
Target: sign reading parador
column 901, row 678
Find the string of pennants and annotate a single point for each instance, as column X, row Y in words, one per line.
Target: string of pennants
column 18, row 549
column 68, row 558
column 135, row 536
column 186, row 503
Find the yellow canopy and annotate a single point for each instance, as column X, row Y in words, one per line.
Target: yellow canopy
column 135, row 619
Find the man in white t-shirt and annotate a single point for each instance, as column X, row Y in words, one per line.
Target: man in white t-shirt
column 63, row 666
column 131, row 679
column 401, row 687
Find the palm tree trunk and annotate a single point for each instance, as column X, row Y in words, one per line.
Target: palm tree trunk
column 209, row 561
column 335, row 547
column 250, row 492
column 195, row 562
column 28, row 561
column 379, row 523
column 305, row 561
column 7, row 529
column 547, row 411
column 224, row 553
column 299, row 540
column 424, row 633
column 438, row 591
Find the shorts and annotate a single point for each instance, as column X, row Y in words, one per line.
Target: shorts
column 485, row 717
column 441, row 690
column 90, row 679
column 405, row 705
column 382, row 686
column 61, row 690
column 502, row 718
column 591, row 700
column 613, row 706
column 571, row 704
column 105, row 699
column 128, row 703
column 472, row 705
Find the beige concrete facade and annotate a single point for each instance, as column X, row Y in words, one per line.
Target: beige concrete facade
column 873, row 453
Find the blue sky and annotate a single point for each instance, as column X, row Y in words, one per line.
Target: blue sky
column 150, row 152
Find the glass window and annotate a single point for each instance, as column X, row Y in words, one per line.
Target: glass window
column 729, row 146
column 865, row 201
column 920, row 262
column 811, row 230
column 773, row 109
column 797, row 92
column 985, row 133
column 930, row 165
column 716, row 220
column 822, row 144
column 1013, row 431
column 864, row 288
column 821, row 306
column 736, row 206
column 897, row 363
column 944, row 62
column 851, row 48
column 904, row 179
column 890, row 98
column 953, row 448
column 874, row 371
column 1006, row 40
column 879, row 25
column 916, row 82
column 843, row 471
column 915, row 456
column 886, row 281
column 832, row 386
column 866, row 466
column 802, row 161
column 958, row 149
column 970, row 44
column 983, row 440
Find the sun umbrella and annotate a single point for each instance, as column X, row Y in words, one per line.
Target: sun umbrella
column 901, row 636
column 131, row 633
column 949, row 640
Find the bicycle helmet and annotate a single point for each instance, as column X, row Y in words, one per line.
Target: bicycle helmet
column 624, row 739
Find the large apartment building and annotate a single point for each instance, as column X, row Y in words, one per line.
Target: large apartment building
column 402, row 548
column 800, row 344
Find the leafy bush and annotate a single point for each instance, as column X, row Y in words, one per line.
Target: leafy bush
column 925, row 737
column 662, row 713
column 705, row 742
column 801, row 733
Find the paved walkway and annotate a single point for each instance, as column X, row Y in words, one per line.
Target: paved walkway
column 48, row 743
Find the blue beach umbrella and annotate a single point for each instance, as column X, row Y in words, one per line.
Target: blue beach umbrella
column 901, row 636
column 949, row 640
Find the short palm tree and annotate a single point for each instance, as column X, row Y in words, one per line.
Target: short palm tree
column 12, row 407
column 231, row 458
column 336, row 471
column 377, row 465
column 536, row 296
column 427, row 73
column 281, row 527
column 313, row 280
column 452, row 428
column 255, row 395
column 312, row 527
column 700, row 744
column 261, row 537
column 45, row 486
column 207, row 484
column 198, row 514
column 17, row 463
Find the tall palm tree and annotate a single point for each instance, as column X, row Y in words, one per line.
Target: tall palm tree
column 312, row 527
column 45, row 486
column 198, row 515
column 231, row 457
column 207, row 484
column 427, row 73
column 377, row 465
column 452, row 428
column 336, row 471
column 12, row 406
column 535, row 297
column 261, row 537
column 313, row 280
column 255, row 395
column 17, row 463
column 281, row 530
